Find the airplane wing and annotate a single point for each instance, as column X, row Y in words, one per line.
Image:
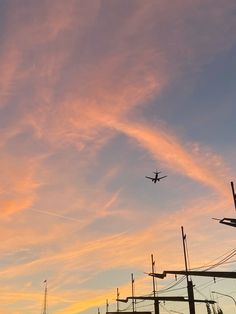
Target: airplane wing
column 162, row 177
column 149, row 178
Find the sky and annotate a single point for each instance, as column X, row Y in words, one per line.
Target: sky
column 94, row 96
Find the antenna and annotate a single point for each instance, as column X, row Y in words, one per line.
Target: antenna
column 45, row 298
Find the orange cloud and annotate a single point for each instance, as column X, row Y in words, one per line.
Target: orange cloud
column 18, row 183
column 77, row 79
column 84, row 259
column 10, row 206
column 167, row 148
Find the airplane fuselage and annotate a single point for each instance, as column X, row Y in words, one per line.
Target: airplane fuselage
column 156, row 178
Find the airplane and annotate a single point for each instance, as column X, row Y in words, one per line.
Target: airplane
column 156, row 178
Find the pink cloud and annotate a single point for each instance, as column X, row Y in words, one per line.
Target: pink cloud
column 166, row 147
column 76, row 82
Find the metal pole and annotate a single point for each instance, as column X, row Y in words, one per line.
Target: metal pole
column 45, row 297
column 117, row 297
column 107, row 305
column 156, row 302
column 226, row 295
column 189, row 282
column 132, row 285
column 234, row 195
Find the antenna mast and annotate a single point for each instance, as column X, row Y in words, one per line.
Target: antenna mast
column 45, row 298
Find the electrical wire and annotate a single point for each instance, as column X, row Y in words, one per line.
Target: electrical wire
column 227, row 255
column 224, row 259
column 175, row 284
column 127, row 308
column 150, row 304
column 200, row 267
column 182, row 288
column 203, row 295
column 165, row 308
column 188, row 259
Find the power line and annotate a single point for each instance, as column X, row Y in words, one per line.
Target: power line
column 230, row 254
column 175, row 284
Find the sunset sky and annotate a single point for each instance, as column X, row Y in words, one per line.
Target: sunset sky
column 94, row 96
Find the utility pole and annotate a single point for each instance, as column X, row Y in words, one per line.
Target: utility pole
column 107, row 306
column 189, row 282
column 45, row 298
column 234, row 195
column 117, row 300
column 156, row 302
column 229, row 221
column 132, row 285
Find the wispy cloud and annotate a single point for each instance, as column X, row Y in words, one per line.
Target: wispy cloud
column 75, row 76
column 166, row 147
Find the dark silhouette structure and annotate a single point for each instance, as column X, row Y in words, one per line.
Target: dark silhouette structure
column 126, row 312
column 230, row 221
column 156, row 301
column 45, row 298
column 156, row 298
column 203, row 273
column 188, row 273
column 189, row 281
column 156, row 178
column 164, row 298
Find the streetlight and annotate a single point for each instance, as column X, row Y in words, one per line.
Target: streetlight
column 226, row 295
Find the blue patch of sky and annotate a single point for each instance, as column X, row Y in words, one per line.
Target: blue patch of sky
column 110, row 278
column 137, row 191
column 9, row 115
column 17, row 257
column 24, row 144
column 107, row 225
column 3, row 19
column 201, row 105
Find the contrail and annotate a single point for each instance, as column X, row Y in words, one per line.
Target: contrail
column 54, row 214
